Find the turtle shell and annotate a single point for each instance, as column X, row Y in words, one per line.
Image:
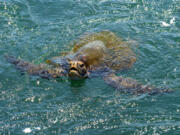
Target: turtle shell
column 118, row 54
column 102, row 49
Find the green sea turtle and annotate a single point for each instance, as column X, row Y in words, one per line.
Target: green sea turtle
column 100, row 54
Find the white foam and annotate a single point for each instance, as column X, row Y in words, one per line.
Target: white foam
column 165, row 24
column 37, row 128
column 102, row 1
column 38, row 82
column 27, row 130
column 172, row 21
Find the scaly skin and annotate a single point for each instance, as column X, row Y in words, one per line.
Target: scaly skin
column 41, row 70
column 128, row 85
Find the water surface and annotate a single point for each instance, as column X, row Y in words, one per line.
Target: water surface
column 35, row 30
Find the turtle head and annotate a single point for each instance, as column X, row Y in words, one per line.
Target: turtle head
column 77, row 69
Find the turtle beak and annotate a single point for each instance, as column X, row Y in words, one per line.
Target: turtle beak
column 77, row 70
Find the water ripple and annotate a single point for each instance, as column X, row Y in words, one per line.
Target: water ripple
column 39, row 29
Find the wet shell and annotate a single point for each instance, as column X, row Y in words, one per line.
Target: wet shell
column 118, row 54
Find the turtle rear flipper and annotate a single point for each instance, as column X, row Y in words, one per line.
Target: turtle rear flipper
column 41, row 70
column 129, row 85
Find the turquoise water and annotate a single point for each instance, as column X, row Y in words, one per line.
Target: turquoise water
column 35, row 30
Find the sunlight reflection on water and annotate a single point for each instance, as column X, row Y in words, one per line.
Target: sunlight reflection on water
column 36, row 30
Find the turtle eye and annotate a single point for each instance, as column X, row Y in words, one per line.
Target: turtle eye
column 81, row 65
column 70, row 63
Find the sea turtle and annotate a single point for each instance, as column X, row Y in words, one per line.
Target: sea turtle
column 99, row 54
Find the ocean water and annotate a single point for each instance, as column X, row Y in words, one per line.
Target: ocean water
column 35, row 30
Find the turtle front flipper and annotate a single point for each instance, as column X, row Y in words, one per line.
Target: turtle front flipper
column 129, row 85
column 41, row 70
